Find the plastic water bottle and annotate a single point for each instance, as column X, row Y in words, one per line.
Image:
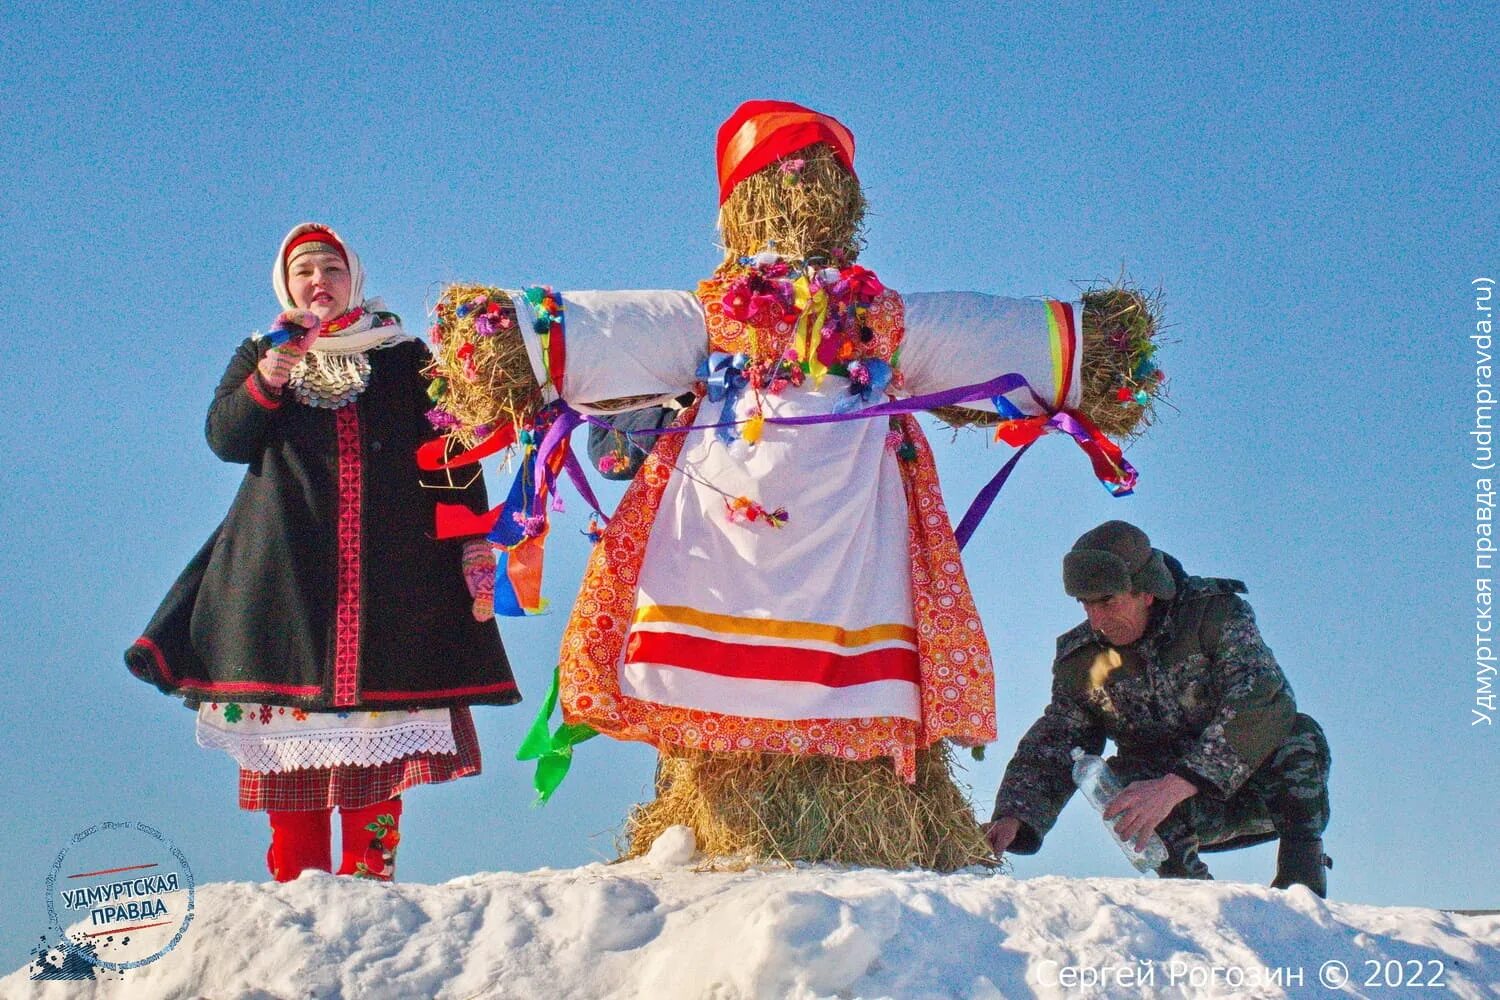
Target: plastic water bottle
column 1099, row 785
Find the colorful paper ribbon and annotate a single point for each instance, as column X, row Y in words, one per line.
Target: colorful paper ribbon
column 812, row 316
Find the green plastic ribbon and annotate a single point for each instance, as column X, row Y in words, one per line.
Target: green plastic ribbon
column 552, row 751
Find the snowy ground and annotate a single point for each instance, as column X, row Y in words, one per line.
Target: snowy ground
column 656, row 928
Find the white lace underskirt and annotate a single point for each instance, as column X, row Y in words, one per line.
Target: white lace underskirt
column 277, row 738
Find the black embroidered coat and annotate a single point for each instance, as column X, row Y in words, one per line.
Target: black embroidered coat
column 323, row 587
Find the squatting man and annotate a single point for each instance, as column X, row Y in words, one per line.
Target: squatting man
column 1211, row 750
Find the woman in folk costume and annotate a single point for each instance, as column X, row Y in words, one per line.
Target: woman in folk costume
column 328, row 644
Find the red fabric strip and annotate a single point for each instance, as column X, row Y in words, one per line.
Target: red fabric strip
column 454, row 520
column 1108, row 461
column 433, row 456
column 443, row 693
column 267, row 402
column 772, row 663
column 250, row 687
column 1066, row 321
column 156, row 654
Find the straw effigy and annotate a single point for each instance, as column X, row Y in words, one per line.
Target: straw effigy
column 744, row 807
column 812, row 213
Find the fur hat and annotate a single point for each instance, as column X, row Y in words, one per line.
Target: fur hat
column 1116, row 558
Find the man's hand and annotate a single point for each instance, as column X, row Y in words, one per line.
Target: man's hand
column 1142, row 806
column 1001, row 832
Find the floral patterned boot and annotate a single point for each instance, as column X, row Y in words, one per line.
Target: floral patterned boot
column 370, row 837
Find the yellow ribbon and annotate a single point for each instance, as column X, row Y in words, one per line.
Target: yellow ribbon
column 808, row 334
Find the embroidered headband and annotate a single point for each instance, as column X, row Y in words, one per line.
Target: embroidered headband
column 315, row 241
column 308, row 237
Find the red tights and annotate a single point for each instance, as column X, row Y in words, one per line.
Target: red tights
column 301, row 840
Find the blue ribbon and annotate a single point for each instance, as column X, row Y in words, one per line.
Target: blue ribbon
column 724, row 376
column 861, row 396
column 1007, row 409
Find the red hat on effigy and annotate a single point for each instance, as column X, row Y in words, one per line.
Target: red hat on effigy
column 761, row 132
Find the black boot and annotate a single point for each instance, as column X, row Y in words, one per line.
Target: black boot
column 1183, row 864
column 1301, row 862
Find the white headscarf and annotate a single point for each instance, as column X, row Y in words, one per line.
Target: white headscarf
column 335, row 370
column 278, row 269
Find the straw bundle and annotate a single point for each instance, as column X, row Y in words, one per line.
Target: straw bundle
column 806, row 206
column 1119, row 326
column 750, row 806
column 482, row 378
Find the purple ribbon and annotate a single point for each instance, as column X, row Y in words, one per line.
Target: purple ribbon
column 566, row 421
column 569, row 418
column 996, row 386
column 999, row 385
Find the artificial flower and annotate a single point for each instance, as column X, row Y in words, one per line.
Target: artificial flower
column 753, row 427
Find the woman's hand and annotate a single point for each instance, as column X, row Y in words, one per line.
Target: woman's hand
column 479, row 577
column 301, row 328
column 300, row 323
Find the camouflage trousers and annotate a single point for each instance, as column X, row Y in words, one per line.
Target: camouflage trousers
column 1286, row 797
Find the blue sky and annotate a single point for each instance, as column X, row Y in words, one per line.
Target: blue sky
column 1313, row 192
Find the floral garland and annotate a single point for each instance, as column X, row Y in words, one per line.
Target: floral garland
column 829, row 307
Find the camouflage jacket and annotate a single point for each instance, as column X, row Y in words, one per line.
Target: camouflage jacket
column 628, row 450
column 1199, row 694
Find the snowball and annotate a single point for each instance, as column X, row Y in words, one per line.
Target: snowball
column 673, row 848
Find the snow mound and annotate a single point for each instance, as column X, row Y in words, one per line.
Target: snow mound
column 652, row 928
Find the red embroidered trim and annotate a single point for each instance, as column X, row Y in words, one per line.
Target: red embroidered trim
column 346, row 615
column 260, row 397
column 370, row 696
column 161, row 660
column 251, row 687
column 227, row 687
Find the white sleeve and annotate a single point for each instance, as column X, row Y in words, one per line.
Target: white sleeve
column 620, row 344
column 955, row 339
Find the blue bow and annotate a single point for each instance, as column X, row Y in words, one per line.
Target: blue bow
column 870, row 392
column 725, row 377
